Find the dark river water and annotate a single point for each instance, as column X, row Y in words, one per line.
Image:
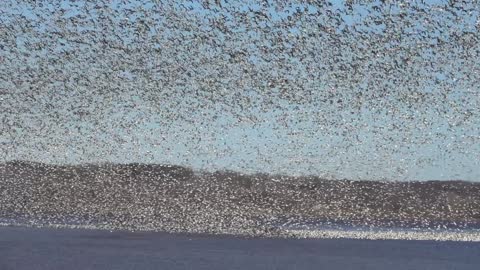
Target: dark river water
column 28, row 248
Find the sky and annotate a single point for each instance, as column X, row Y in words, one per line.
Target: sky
column 381, row 140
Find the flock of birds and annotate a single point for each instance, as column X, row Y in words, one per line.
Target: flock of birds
column 177, row 199
column 142, row 81
column 120, row 75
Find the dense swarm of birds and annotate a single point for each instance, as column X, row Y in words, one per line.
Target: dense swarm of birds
column 111, row 81
column 373, row 83
column 176, row 199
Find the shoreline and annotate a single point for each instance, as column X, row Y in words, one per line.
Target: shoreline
column 413, row 234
